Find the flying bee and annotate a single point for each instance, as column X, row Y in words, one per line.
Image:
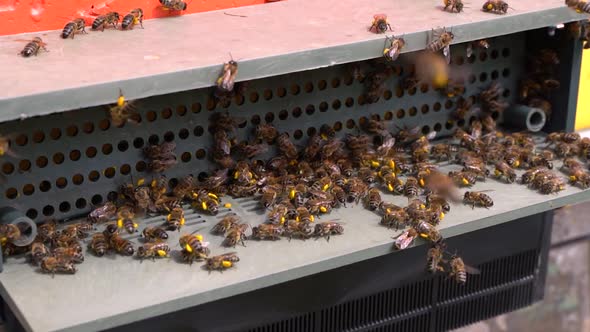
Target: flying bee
column 380, row 24
column 175, row 219
column 477, row 198
column 328, row 228
column 225, row 224
column 221, row 262
column 482, row 43
column 267, row 231
column 99, row 244
column 122, row 246
column 459, row 270
column 73, row 27
column 54, row 265
column 134, row 17
column 434, row 257
column 72, row 254
column 9, row 233
column 504, row 170
column 38, row 252
column 104, row 213
column 454, row 4
column 173, row 5
column 405, row 239
column 441, row 41
column 101, row 21
column 236, row 235
column 154, row 234
column 411, row 188
column 226, row 80
column 153, row 250
column 32, row 48
column 495, row 6
column 396, row 45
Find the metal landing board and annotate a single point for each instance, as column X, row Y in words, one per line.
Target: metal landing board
column 115, row 290
column 187, row 52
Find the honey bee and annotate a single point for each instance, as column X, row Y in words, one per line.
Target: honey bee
column 563, row 149
column 5, row 147
column 438, row 200
column 73, row 27
column 582, row 7
column 441, row 41
column 454, row 4
column 357, row 189
column 184, row 188
column 395, row 218
column 32, row 48
column 477, row 198
column 236, row 235
column 482, row 43
column 267, row 231
column 504, row 170
column 110, row 230
column 328, row 228
column 459, row 270
column 38, row 252
column 411, row 188
column 405, row 239
column 208, row 202
column 434, row 258
column 134, row 17
column 295, row 229
column 266, row 132
column 55, row 265
column 380, row 24
column 154, row 233
column 153, row 250
column 121, row 245
column 101, row 21
column 175, row 219
column 226, row 80
column 102, row 214
column 9, row 233
column 173, row 4
column 554, row 185
column 286, row 146
column 443, row 151
column 269, row 196
column 126, row 219
column 221, row 262
column 373, row 199
column 577, row 176
column 375, row 84
column 123, row 111
column 427, row 231
column 225, row 224
column 72, row 254
column 495, row 6
column 396, row 45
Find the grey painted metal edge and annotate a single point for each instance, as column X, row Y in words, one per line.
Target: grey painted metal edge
column 99, row 93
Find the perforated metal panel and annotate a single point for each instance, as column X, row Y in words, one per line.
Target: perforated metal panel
column 68, row 162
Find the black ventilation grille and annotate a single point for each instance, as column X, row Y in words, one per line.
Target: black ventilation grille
column 300, row 323
column 374, row 308
column 416, row 323
column 494, row 273
column 483, row 307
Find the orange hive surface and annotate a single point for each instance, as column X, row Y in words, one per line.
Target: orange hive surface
column 18, row 16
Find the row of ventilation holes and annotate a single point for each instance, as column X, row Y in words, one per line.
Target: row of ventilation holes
column 141, row 166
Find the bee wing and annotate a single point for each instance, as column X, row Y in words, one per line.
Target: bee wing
column 224, row 81
column 447, row 53
column 431, row 135
column 394, row 52
column 471, row 269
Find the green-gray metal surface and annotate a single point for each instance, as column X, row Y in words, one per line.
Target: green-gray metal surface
column 183, row 53
column 66, row 188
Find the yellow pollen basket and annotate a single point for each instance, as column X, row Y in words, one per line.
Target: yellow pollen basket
column 162, row 253
column 204, row 205
column 212, row 195
column 497, row 173
column 490, row 6
column 517, row 163
column 226, row 264
column 375, row 164
column 182, row 221
column 422, row 182
column 312, row 218
column 464, row 181
column 3, row 240
column 389, row 187
column 442, row 216
column 227, row 205
column 135, row 225
column 392, row 164
column 121, row 100
column 199, row 237
column 168, row 217
column 2, row 152
column 153, row 183
column 323, row 209
column 573, row 178
column 385, row 51
column 236, row 174
column 297, row 219
column 120, row 223
column 188, row 248
column 325, row 187
column 282, row 220
column 292, row 194
column 424, row 235
column 140, row 182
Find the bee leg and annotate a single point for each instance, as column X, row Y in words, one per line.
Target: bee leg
column 141, row 23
